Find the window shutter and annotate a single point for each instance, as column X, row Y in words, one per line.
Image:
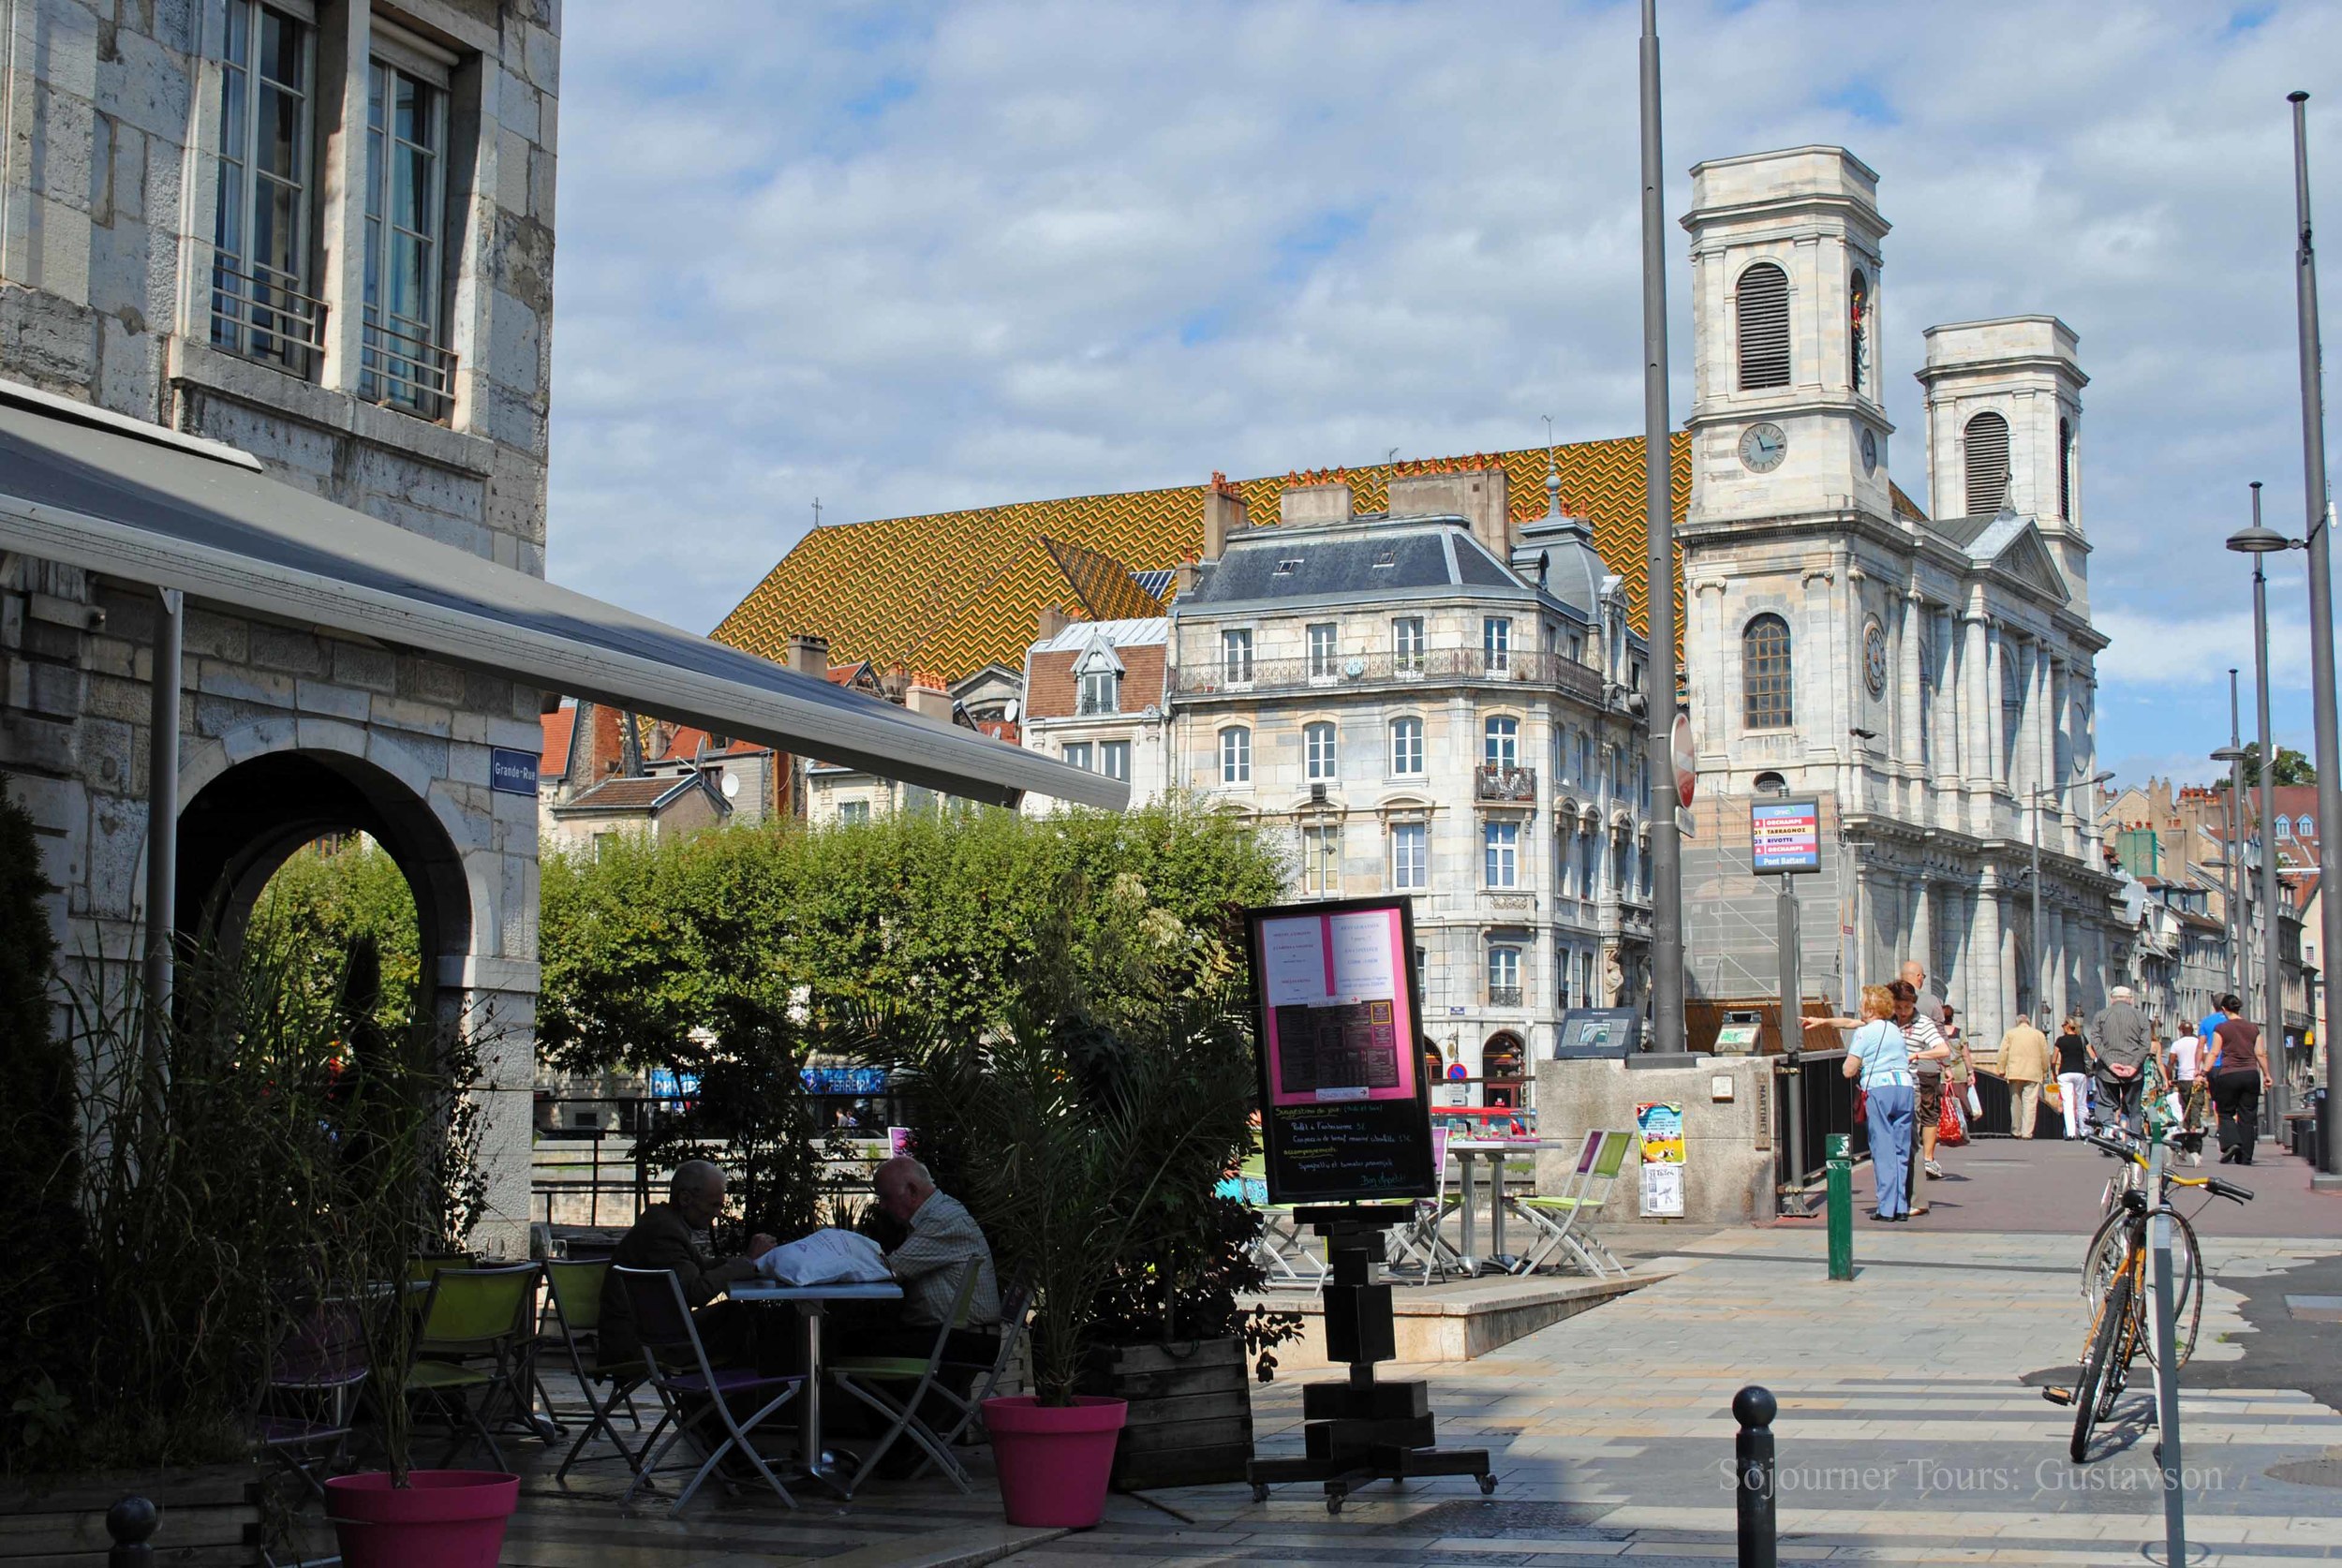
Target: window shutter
column 1763, row 309
column 1988, row 464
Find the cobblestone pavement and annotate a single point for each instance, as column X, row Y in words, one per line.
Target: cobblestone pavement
column 1906, row 1432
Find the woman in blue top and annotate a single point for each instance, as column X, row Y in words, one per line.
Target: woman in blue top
column 1880, row 1059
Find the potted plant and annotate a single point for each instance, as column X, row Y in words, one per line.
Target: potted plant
column 409, row 1187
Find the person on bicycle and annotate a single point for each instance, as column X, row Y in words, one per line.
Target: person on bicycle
column 2121, row 1046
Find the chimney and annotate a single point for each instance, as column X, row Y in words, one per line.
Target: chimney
column 1473, row 489
column 809, row 655
column 1224, row 513
column 928, row 699
column 1315, row 498
column 1051, row 621
column 600, row 745
column 1183, row 579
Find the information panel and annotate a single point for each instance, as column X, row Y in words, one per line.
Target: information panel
column 1346, row 1112
column 1785, row 837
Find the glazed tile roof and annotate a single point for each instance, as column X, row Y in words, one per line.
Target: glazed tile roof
column 954, row 591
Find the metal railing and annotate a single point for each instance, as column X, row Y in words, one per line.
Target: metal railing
column 1824, row 1099
column 402, row 370
column 1225, row 678
column 1504, row 996
column 1512, row 785
column 260, row 314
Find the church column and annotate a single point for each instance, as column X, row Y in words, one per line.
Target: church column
column 1977, row 752
column 1921, row 944
column 1992, row 969
column 1908, row 719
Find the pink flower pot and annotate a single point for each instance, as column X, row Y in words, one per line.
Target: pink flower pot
column 450, row 1518
column 1054, row 1460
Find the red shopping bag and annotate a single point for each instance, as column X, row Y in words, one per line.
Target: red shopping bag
column 1949, row 1130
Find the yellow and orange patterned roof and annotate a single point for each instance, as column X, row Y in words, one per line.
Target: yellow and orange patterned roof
column 954, row 591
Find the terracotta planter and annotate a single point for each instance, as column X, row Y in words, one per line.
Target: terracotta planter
column 1054, row 1460
column 450, row 1518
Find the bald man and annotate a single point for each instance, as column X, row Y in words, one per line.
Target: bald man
column 668, row 1236
column 943, row 1236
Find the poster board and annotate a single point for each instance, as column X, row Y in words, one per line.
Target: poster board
column 1662, row 1127
column 1345, row 1109
column 1594, row 1033
column 1785, row 838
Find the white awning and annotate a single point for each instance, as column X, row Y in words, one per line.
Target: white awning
column 94, row 490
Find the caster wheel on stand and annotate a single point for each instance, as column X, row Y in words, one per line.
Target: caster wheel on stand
column 1488, row 1485
column 1260, row 1491
column 1334, row 1501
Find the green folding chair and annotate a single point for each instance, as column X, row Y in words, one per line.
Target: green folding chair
column 1566, row 1215
column 872, row 1379
column 474, row 1316
column 574, row 1290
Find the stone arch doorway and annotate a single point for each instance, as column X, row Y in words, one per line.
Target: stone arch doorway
column 246, row 822
column 1504, row 1068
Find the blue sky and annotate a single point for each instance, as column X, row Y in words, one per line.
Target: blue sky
column 906, row 259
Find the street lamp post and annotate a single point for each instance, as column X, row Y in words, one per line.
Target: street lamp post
column 2318, row 508
column 2040, row 948
column 2232, row 863
column 2272, row 971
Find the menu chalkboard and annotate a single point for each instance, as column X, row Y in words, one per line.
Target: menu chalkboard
column 1345, row 1113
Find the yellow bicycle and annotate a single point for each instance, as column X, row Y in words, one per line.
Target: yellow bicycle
column 2117, row 1268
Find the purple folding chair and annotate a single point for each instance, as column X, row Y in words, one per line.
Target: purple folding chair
column 695, row 1392
column 314, row 1375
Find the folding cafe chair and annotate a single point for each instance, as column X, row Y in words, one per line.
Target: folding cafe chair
column 314, row 1375
column 1015, row 1316
column 1284, row 1256
column 877, row 1382
column 471, row 1348
column 576, row 1291
column 1563, row 1217
column 695, row 1392
column 1417, row 1248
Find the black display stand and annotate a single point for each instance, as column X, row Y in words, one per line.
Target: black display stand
column 1360, row 1429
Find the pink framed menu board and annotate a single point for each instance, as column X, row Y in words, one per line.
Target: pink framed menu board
column 1345, row 1115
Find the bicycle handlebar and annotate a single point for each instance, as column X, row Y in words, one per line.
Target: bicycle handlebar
column 2228, row 1189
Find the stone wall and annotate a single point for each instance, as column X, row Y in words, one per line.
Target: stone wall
column 1728, row 1155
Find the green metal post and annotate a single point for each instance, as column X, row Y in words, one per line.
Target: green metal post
column 1841, row 1164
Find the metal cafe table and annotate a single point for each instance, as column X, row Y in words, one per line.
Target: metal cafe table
column 1467, row 1153
column 809, row 1301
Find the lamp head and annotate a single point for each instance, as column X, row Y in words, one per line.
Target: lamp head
column 2258, row 540
column 2230, row 754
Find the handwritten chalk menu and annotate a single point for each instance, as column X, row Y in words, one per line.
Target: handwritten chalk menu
column 1345, row 1111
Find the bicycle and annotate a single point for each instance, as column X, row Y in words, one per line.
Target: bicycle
column 2118, row 1327
column 2104, row 1255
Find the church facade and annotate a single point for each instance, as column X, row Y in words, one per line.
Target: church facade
column 1926, row 675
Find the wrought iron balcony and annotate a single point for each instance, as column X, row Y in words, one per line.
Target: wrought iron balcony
column 1507, row 786
column 1504, row 996
column 1215, row 678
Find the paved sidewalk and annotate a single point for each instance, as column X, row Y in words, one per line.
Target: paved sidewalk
column 1907, row 1433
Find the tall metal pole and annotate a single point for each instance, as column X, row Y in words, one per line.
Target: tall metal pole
column 1792, row 1032
column 2034, row 940
column 1667, row 866
column 2319, row 510
column 2233, row 872
column 2272, row 971
column 162, row 825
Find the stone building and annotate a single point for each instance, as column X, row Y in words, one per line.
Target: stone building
column 1926, row 673
column 1095, row 697
column 275, row 284
column 1433, row 700
column 604, row 774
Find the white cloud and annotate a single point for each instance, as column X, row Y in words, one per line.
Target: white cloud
column 924, row 257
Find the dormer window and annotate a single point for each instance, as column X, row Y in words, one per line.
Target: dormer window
column 1287, row 567
column 1100, row 692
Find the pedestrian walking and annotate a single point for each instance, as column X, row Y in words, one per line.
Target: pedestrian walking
column 2239, row 1072
column 2073, row 1077
column 2188, row 1056
column 1929, row 1053
column 2025, row 1063
column 1959, row 1070
column 1879, row 1059
column 2121, row 1046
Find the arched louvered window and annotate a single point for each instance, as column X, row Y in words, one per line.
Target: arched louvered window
column 1761, row 307
column 2065, row 469
column 1987, row 464
column 1765, row 701
column 1859, row 327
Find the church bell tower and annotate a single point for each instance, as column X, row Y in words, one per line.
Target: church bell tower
column 1788, row 418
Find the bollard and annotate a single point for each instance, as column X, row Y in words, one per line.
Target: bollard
column 1752, row 1453
column 130, row 1522
column 1840, row 1146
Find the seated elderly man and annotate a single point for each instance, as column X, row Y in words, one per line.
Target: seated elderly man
column 668, row 1236
column 943, row 1236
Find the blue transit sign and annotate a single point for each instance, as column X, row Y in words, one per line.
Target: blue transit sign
column 1785, row 835
column 511, row 772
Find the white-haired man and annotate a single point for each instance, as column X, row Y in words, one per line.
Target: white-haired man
column 668, row 1236
column 2122, row 1045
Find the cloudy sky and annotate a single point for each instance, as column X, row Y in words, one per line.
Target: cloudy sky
column 915, row 257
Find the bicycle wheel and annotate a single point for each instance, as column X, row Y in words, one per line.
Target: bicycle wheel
column 2186, row 1289
column 2103, row 1258
column 2111, row 1326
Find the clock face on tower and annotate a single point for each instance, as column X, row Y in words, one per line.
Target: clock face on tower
column 1869, row 451
column 1763, row 446
column 1874, row 657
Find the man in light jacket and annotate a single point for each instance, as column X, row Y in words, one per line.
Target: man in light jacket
column 2024, row 1061
column 2120, row 1047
